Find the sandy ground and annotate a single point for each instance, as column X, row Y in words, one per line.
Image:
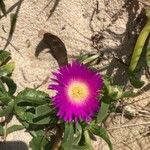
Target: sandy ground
column 87, row 26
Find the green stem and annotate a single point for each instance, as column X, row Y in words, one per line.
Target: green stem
column 5, row 131
column 32, row 133
column 90, row 59
column 140, row 44
column 88, row 140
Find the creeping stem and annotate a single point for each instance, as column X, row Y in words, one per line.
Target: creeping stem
column 140, row 44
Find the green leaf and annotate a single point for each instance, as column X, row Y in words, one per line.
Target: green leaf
column 101, row 132
column 134, row 81
column 5, row 98
column 91, row 59
column 10, row 129
column 148, row 54
column 4, row 56
column 71, row 139
column 68, row 136
column 139, row 46
column 27, row 115
column 88, row 143
column 128, row 94
column 32, row 96
column 39, row 132
column 39, row 143
column 82, row 57
column 1, row 130
column 103, row 112
column 77, row 147
column 113, row 91
column 35, row 144
column 7, row 69
column 42, row 110
column 2, row 87
column 42, row 120
column 42, row 114
column 14, row 128
column 107, row 81
column 10, row 84
column 34, row 130
column 9, row 109
column 20, row 112
column 33, row 107
column 78, row 134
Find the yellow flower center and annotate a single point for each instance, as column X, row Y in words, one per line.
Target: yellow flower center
column 78, row 91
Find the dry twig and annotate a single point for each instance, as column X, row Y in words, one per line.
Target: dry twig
column 144, row 2
column 129, row 125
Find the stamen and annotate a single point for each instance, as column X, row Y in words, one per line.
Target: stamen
column 78, row 91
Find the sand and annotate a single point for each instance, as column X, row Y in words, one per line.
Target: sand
column 84, row 26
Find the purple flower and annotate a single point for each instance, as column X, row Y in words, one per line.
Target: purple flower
column 77, row 90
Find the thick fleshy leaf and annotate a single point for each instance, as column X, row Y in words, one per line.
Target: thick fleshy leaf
column 89, row 59
column 10, row 129
column 2, row 87
column 134, row 81
column 5, row 98
column 7, row 69
column 72, row 137
column 102, row 114
column 30, row 117
column 35, row 144
column 114, row 92
column 7, row 110
column 87, row 143
column 34, row 130
column 39, row 143
column 77, row 147
column 33, row 107
column 68, row 136
column 140, row 43
column 10, row 84
column 78, row 134
column 42, row 120
column 107, row 81
column 32, row 96
column 38, row 115
column 148, row 55
column 20, row 112
column 23, row 114
column 14, row 128
column 82, row 57
column 1, row 130
column 42, row 110
column 101, row 132
column 128, row 94
column 4, row 55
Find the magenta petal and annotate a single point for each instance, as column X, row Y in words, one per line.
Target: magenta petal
column 67, row 108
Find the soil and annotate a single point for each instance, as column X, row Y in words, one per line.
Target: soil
column 83, row 26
